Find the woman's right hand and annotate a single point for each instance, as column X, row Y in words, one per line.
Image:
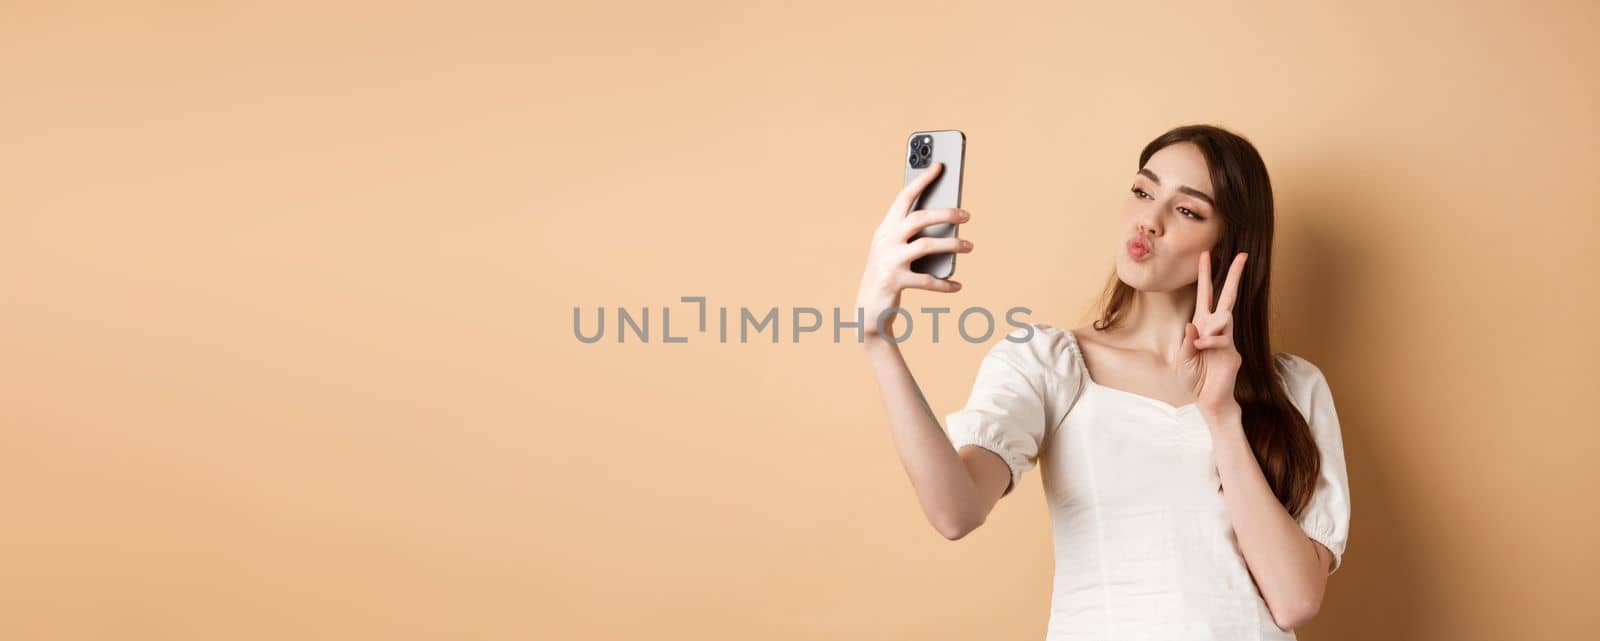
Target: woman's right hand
column 889, row 259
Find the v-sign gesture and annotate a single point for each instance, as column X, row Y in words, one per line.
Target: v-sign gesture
column 1208, row 361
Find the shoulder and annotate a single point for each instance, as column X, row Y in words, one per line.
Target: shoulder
column 1039, row 348
column 1036, row 341
column 1304, row 381
column 1296, row 368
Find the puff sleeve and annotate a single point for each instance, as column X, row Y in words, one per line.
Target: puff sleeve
column 1326, row 519
column 1015, row 400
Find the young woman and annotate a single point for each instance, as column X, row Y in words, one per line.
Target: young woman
column 1195, row 478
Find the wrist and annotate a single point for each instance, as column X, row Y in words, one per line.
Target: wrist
column 1224, row 415
column 877, row 341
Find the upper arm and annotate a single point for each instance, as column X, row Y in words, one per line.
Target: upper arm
column 1001, row 430
column 1326, row 518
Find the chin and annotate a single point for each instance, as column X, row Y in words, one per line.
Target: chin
column 1129, row 273
column 1134, row 275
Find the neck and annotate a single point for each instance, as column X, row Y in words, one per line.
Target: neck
column 1155, row 321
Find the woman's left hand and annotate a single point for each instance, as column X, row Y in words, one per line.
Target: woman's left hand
column 1208, row 361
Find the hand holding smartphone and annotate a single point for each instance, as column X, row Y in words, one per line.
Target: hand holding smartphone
column 914, row 246
column 924, row 148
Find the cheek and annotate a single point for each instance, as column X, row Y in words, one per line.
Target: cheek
column 1195, row 241
column 1130, row 209
column 1185, row 254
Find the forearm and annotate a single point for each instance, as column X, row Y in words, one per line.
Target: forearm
column 942, row 484
column 1281, row 558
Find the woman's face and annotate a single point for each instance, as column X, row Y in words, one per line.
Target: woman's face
column 1170, row 207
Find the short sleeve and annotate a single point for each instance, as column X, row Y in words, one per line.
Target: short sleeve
column 1326, row 519
column 1017, row 397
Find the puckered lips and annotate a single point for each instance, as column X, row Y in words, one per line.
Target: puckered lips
column 1139, row 248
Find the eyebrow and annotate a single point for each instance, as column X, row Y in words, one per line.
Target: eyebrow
column 1183, row 188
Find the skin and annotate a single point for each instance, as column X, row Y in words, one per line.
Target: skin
column 1176, row 345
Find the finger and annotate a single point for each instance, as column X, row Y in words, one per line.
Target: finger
column 1191, row 335
column 1214, row 342
column 1213, row 324
column 917, row 220
column 909, row 193
column 935, row 245
column 927, row 281
column 1231, row 288
column 1202, row 287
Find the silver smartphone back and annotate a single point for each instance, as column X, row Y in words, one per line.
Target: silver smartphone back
column 923, row 148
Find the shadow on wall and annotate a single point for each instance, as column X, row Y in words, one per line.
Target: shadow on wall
column 1378, row 592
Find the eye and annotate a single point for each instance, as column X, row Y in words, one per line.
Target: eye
column 1190, row 212
column 1139, row 192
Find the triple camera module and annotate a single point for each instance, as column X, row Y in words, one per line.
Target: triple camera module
column 921, row 151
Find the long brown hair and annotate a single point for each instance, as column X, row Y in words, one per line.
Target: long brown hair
column 1277, row 432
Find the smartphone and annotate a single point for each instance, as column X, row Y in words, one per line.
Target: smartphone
column 924, row 148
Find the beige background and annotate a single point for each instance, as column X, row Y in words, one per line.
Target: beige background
column 286, row 300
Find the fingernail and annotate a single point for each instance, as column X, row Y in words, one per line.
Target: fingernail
column 966, row 244
column 963, row 215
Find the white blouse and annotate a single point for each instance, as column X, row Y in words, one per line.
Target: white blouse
column 1144, row 549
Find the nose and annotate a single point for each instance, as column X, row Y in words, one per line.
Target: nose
column 1147, row 225
column 1149, row 221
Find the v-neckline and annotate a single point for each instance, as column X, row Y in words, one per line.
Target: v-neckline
column 1078, row 354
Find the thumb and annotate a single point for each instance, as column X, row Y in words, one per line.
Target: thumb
column 1190, row 333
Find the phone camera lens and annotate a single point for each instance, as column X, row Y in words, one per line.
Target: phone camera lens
column 924, row 151
column 915, row 160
